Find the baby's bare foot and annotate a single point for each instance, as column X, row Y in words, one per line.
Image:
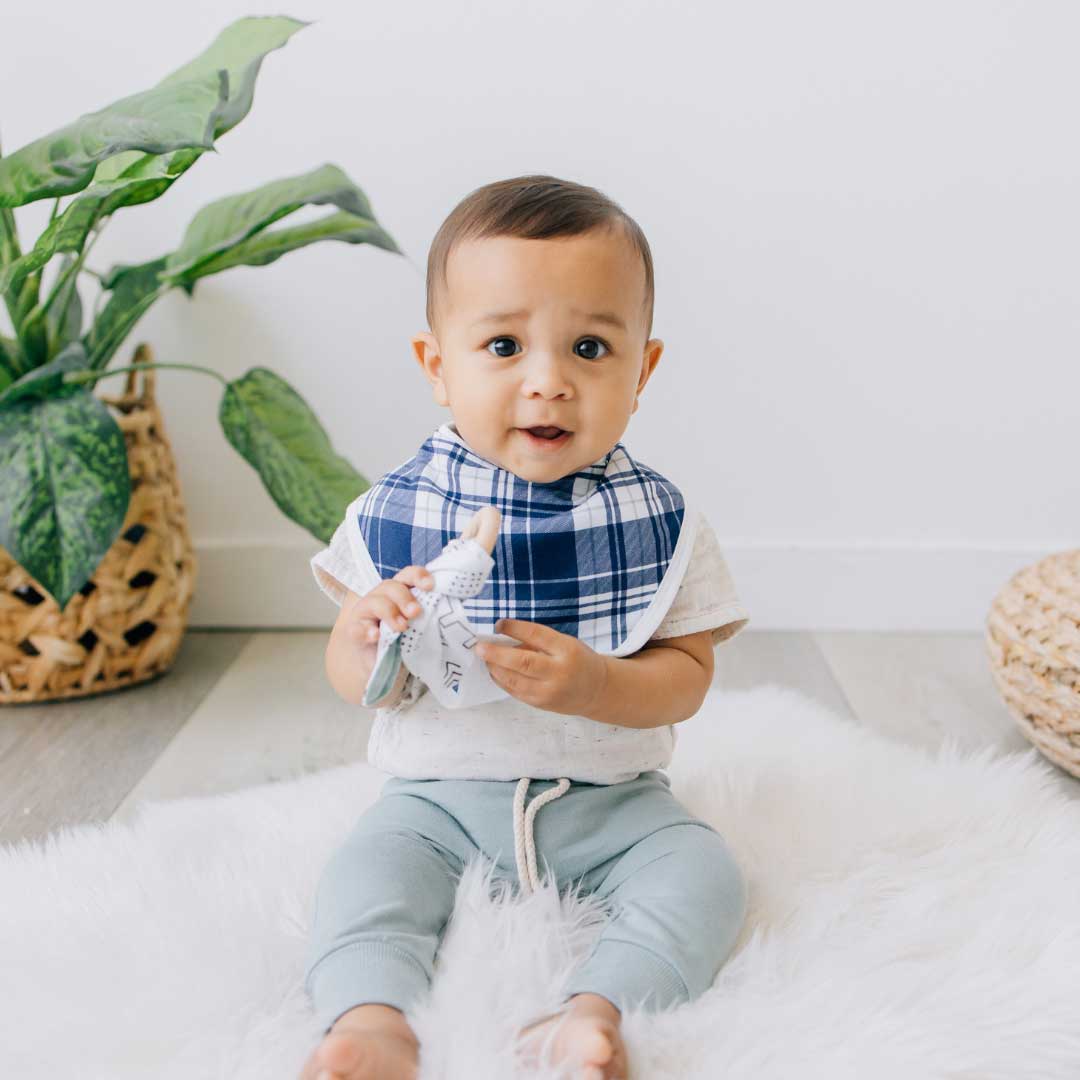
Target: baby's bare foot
column 586, row 1035
column 370, row 1042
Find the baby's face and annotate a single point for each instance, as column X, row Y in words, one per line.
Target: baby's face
column 541, row 333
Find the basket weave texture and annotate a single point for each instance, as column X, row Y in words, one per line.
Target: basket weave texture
column 1033, row 636
column 125, row 626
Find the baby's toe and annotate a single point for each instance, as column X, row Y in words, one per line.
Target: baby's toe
column 315, row 1067
column 604, row 1057
column 340, row 1055
column 595, row 1046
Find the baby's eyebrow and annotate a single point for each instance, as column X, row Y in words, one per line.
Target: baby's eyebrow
column 597, row 316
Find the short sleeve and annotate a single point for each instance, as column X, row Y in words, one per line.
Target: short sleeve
column 706, row 599
column 337, row 567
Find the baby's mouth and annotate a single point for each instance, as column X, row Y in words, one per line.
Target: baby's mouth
column 545, row 437
column 547, row 432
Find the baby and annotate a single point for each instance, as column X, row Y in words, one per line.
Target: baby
column 607, row 594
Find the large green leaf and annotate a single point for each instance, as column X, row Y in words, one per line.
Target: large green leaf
column 64, row 486
column 267, row 246
column 230, row 221
column 160, row 120
column 239, row 49
column 232, row 232
column 132, row 178
column 68, row 231
column 48, row 379
column 275, row 430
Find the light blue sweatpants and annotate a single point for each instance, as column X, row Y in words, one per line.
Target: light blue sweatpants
column 676, row 896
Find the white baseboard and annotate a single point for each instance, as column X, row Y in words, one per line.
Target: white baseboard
column 783, row 587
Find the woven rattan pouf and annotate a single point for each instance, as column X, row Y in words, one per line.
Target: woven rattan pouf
column 1033, row 635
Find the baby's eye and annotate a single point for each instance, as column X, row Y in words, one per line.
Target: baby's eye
column 592, row 341
column 498, row 339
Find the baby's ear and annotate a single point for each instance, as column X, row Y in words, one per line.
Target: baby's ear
column 424, row 344
column 429, row 357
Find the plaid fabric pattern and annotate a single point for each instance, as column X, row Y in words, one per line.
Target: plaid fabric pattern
column 583, row 554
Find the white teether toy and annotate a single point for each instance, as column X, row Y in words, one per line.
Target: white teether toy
column 437, row 646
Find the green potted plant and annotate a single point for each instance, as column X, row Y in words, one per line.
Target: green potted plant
column 81, row 488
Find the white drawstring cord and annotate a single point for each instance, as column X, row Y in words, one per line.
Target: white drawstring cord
column 524, row 842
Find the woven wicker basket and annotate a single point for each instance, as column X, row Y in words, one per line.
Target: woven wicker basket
column 1033, row 636
column 124, row 627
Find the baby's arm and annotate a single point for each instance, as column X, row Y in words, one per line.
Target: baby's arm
column 665, row 682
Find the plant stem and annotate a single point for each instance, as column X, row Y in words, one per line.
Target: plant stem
column 9, row 252
column 93, row 376
column 99, row 303
column 65, row 282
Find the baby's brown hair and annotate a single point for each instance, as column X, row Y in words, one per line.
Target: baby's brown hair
column 534, row 208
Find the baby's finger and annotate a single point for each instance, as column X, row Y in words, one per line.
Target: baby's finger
column 416, row 575
column 401, row 594
column 384, row 608
column 362, row 629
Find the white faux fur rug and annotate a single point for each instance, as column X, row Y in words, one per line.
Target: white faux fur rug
column 910, row 916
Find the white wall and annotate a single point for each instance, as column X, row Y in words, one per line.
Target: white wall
column 865, row 228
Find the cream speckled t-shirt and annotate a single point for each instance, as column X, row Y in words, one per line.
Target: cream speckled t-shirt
column 506, row 739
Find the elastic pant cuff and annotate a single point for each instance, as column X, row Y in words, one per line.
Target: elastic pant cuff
column 629, row 976
column 364, row 973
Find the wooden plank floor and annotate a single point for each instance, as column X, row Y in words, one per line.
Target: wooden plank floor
column 248, row 708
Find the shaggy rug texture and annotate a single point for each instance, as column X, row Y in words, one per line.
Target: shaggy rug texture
column 911, row 915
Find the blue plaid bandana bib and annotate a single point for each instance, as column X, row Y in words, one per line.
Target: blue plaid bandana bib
column 597, row 554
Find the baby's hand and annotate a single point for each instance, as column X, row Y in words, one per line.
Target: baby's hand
column 390, row 600
column 549, row 670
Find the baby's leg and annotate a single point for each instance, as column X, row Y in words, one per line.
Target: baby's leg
column 382, row 903
column 679, row 900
